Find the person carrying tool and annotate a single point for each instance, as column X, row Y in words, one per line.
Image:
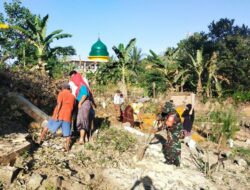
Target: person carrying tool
column 173, row 126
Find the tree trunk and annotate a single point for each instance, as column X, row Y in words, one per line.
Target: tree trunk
column 181, row 88
column 24, row 57
column 208, row 88
column 41, row 65
column 153, row 86
column 208, row 91
column 29, row 108
column 199, row 85
column 124, row 87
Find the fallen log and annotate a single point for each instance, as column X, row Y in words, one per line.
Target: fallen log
column 29, row 108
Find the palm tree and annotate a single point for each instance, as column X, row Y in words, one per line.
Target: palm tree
column 123, row 55
column 36, row 36
column 199, row 67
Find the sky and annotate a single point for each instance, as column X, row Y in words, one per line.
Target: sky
column 156, row 24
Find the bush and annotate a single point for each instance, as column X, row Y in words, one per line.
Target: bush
column 242, row 96
column 120, row 140
column 147, row 80
column 224, row 124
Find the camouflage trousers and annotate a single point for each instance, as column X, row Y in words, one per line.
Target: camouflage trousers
column 172, row 152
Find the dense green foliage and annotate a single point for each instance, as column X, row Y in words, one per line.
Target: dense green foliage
column 212, row 64
column 241, row 96
column 216, row 63
column 27, row 41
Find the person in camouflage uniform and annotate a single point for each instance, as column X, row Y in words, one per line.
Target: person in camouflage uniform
column 173, row 126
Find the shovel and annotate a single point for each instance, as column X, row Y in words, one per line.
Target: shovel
column 142, row 151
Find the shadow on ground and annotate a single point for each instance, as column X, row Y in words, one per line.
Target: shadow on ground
column 146, row 182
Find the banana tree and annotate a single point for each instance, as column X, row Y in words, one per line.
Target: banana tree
column 198, row 66
column 123, row 55
column 182, row 77
column 36, row 36
column 166, row 65
column 135, row 59
column 214, row 77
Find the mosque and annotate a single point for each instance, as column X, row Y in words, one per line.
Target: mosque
column 98, row 54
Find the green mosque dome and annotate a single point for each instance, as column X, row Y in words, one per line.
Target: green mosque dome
column 99, row 49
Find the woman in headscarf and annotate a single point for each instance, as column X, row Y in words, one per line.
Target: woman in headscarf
column 128, row 115
column 188, row 116
column 85, row 101
column 84, row 107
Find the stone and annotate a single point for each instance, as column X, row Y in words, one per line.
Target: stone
column 8, row 174
column 34, row 181
column 248, row 142
column 232, row 167
column 52, row 182
column 11, row 147
column 67, row 171
column 68, row 185
column 230, row 142
column 132, row 130
column 77, row 186
column 240, row 162
column 226, row 154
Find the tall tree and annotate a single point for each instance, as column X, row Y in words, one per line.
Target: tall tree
column 166, row 66
column 36, row 36
column 214, row 78
column 198, row 65
column 135, row 62
column 123, row 55
column 12, row 43
column 232, row 42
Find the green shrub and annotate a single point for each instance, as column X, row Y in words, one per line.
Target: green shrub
column 224, row 124
column 243, row 96
column 117, row 139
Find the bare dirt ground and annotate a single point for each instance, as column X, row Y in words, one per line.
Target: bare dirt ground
column 109, row 160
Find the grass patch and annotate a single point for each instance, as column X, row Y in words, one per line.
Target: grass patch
column 117, row 139
column 224, row 126
column 108, row 148
column 83, row 158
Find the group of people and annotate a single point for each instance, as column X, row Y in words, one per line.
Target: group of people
column 169, row 120
column 127, row 114
column 75, row 103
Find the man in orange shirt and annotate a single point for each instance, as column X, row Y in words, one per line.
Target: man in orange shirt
column 62, row 115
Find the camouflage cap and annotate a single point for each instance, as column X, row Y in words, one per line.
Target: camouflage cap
column 168, row 107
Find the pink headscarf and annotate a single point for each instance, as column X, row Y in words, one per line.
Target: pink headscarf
column 78, row 80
